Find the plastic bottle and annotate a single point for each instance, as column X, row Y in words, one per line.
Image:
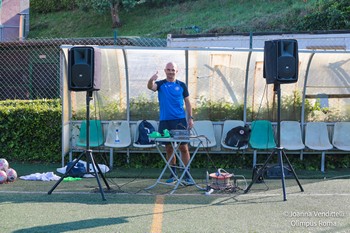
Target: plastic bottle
column 117, row 140
column 209, row 190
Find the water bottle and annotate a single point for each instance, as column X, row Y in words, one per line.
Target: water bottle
column 209, row 190
column 117, row 140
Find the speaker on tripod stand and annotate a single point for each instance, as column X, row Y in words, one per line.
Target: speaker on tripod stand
column 281, row 62
column 81, row 77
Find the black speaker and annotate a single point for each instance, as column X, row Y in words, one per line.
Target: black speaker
column 281, row 61
column 81, row 70
column 256, row 170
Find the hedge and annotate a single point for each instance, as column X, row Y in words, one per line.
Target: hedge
column 30, row 130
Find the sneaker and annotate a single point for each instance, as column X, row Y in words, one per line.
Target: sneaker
column 170, row 180
column 188, row 182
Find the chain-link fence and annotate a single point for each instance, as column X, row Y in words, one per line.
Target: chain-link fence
column 31, row 69
column 220, row 80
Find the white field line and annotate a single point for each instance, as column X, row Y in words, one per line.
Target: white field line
column 186, row 194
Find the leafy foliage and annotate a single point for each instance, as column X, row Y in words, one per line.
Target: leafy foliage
column 328, row 15
column 31, row 130
column 46, row 6
column 141, row 108
column 217, row 111
column 105, row 5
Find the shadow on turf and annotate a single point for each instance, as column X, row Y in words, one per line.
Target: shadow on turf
column 72, row 226
column 102, row 222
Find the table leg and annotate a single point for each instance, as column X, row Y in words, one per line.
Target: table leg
column 167, row 166
column 186, row 170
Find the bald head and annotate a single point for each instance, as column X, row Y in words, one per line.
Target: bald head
column 170, row 71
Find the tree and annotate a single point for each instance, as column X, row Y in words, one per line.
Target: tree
column 113, row 6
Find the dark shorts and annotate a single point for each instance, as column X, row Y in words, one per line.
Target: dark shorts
column 172, row 124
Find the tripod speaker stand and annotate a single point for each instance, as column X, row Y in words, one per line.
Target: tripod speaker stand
column 87, row 153
column 278, row 150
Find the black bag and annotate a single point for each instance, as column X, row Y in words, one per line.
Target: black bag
column 145, row 128
column 78, row 170
column 238, row 136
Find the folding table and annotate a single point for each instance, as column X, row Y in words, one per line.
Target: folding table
column 175, row 143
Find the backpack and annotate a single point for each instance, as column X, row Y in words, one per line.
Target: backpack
column 238, row 136
column 145, row 128
column 78, row 170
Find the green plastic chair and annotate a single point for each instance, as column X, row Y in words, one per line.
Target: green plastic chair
column 262, row 137
column 96, row 134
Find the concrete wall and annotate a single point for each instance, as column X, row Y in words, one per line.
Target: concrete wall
column 326, row 41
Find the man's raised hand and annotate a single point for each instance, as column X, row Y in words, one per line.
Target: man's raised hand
column 155, row 76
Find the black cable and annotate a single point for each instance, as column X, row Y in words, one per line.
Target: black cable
column 100, row 149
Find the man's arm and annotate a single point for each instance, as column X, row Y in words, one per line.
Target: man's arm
column 189, row 112
column 152, row 82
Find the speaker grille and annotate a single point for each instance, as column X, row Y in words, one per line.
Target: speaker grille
column 286, row 68
column 81, row 69
column 82, row 76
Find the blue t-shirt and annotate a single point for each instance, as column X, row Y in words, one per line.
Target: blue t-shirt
column 171, row 99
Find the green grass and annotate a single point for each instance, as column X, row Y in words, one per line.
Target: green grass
column 78, row 207
column 221, row 16
column 199, row 173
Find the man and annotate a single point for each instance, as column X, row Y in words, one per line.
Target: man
column 172, row 94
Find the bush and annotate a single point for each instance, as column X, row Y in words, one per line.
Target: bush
column 31, row 130
column 330, row 15
column 217, row 110
column 46, row 6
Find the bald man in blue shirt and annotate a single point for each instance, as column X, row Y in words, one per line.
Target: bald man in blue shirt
column 172, row 96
